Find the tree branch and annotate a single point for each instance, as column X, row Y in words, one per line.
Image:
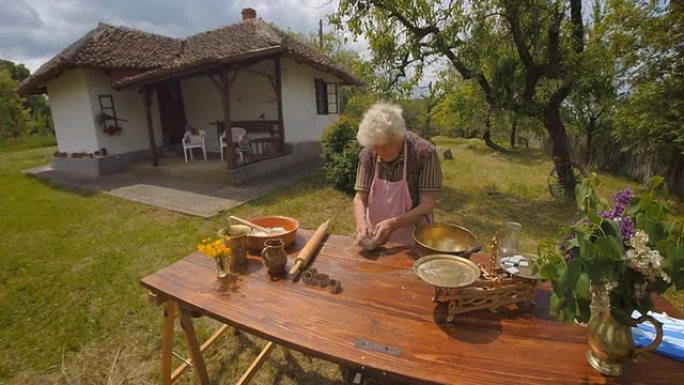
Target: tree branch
column 418, row 32
column 577, row 25
column 513, row 18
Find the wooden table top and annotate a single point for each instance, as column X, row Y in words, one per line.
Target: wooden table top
column 383, row 302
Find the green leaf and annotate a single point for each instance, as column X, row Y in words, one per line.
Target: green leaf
column 548, row 271
column 633, row 207
column 594, row 218
column 599, row 269
column 569, row 275
column 582, row 285
column 611, row 228
column 645, row 201
column 583, row 311
column 610, row 248
column 581, row 196
column 554, row 305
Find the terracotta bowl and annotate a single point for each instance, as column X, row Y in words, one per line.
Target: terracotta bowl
column 256, row 242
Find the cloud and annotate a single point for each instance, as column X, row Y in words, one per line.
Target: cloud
column 33, row 31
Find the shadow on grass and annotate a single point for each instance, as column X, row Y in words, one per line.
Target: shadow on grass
column 527, row 156
column 291, row 368
column 81, row 191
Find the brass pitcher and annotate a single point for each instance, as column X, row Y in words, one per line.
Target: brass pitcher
column 235, row 237
column 274, row 256
column 610, row 342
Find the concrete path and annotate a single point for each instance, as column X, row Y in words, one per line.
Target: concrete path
column 197, row 188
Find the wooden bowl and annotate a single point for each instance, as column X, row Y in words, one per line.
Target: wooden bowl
column 256, row 242
column 443, row 238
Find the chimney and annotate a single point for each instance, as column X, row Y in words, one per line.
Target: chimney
column 248, row 13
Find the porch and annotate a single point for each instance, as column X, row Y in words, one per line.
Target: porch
column 245, row 95
column 196, row 188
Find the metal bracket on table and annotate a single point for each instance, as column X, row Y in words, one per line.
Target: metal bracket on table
column 368, row 345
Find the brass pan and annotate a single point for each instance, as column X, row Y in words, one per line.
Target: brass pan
column 444, row 238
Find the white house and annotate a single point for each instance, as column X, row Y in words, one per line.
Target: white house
column 120, row 95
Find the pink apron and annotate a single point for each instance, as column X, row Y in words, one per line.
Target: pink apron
column 390, row 199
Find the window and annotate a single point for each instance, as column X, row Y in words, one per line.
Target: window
column 326, row 97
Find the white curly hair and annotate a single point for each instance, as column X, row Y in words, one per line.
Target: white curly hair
column 382, row 122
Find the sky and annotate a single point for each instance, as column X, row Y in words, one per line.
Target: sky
column 33, row 31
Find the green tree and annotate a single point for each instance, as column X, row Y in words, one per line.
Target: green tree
column 12, row 115
column 548, row 37
column 590, row 107
column 18, row 72
column 39, row 120
column 648, row 40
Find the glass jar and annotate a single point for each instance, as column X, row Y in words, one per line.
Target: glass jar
column 509, row 243
column 221, row 266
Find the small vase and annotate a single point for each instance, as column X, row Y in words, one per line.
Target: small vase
column 610, row 342
column 275, row 257
column 221, row 266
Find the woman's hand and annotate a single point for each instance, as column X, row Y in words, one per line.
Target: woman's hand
column 362, row 230
column 383, row 230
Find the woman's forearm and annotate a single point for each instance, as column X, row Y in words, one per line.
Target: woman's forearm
column 427, row 205
column 360, row 205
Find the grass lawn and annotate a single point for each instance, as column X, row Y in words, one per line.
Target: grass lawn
column 72, row 310
column 25, row 143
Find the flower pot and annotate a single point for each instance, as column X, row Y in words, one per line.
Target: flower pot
column 610, row 342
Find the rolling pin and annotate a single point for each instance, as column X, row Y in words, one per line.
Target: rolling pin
column 305, row 255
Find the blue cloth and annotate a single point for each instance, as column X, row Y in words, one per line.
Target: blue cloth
column 673, row 335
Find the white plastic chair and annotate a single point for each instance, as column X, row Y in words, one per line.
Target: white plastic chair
column 239, row 135
column 191, row 141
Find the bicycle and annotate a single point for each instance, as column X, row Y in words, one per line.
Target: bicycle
column 554, row 180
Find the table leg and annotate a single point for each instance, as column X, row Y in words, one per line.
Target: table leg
column 167, row 341
column 193, row 347
column 252, row 370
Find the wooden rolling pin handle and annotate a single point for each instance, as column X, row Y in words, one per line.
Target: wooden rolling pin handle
column 310, row 247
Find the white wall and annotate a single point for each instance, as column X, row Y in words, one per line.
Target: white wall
column 130, row 105
column 299, row 102
column 251, row 95
column 72, row 112
column 202, row 103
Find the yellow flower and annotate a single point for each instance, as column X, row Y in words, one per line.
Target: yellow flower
column 213, row 248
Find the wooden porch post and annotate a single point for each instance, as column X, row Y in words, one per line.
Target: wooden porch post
column 224, row 79
column 149, row 92
column 279, row 95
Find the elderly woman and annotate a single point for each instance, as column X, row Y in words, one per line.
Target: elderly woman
column 397, row 180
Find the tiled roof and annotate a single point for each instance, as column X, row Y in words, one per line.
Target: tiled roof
column 107, row 47
column 155, row 56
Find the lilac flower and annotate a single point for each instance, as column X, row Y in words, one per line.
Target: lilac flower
column 568, row 256
column 608, row 214
column 563, row 246
column 620, row 201
column 627, row 228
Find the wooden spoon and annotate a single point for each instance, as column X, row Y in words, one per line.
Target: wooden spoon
column 250, row 224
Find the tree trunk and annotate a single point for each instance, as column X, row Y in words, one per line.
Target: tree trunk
column 487, row 137
column 561, row 150
column 514, row 127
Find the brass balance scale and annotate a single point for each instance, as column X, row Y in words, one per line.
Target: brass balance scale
column 467, row 286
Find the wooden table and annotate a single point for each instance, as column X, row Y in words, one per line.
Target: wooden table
column 384, row 304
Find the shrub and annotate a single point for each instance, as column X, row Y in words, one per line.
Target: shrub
column 339, row 152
